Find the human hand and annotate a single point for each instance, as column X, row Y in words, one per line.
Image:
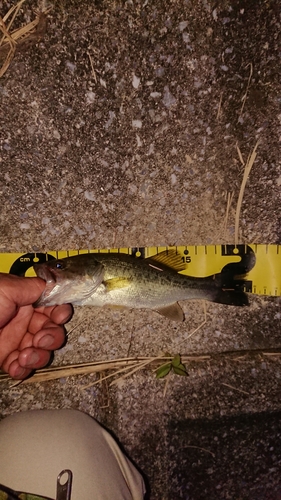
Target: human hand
column 27, row 335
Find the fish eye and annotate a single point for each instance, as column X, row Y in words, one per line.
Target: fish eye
column 59, row 265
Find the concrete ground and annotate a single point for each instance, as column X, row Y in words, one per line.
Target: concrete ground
column 119, row 127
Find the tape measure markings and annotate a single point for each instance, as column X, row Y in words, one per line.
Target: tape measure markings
column 200, row 260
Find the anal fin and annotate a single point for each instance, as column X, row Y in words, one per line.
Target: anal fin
column 172, row 311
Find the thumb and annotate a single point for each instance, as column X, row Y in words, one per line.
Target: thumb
column 15, row 292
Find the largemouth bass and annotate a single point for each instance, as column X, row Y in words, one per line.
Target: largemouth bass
column 111, row 279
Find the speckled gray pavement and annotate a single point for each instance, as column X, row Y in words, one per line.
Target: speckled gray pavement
column 119, row 128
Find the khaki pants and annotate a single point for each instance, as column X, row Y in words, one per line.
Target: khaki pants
column 35, row 446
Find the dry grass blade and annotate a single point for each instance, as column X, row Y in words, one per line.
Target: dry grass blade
column 102, row 379
column 272, row 354
column 247, row 170
column 235, row 389
column 141, row 365
column 131, row 365
column 219, row 112
column 11, row 47
column 240, row 155
column 228, row 205
column 54, row 373
column 92, row 67
column 115, row 365
column 138, row 365
column 198, row 327
column 74, row 327
column 200, row 448
column 10, row 40
column 244, row 98
column 13, row 10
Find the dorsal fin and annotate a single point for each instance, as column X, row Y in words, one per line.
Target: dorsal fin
column 169, row 258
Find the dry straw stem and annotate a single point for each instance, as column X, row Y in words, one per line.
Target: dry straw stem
column 131, row 365
column 117, row 365
column 219, row 112
column 136, row 367
column 247, row 169
column 200, row 448
column 236, row 389
column 247, row 89
column 12, row 39
column 198, row 327
column 228, row 205
column 92, row 66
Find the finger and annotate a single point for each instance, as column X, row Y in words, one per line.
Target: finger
column 14, row 332
column 57, row 314
column 21, row 290
column 27, row 341
column 20, row 364
column 33, row 358
column 18, row 372
column 43, row 333
column 12, row 366
column 51, row 337
column 60, row 314
column 5, row 366
column 16, row 292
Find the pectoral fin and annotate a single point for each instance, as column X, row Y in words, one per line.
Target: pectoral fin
column 116, row 283
column 173, row 312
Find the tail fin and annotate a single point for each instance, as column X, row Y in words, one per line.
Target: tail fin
column 231, row 297
column 232, row 279
column 230, row 290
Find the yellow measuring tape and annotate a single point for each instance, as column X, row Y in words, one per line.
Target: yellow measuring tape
column 260, row 263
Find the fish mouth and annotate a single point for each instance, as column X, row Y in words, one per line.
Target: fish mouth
column 49, row 277
column 44, row 273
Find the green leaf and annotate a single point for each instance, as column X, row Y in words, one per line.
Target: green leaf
column 180, row 370
column 176, row 360
column 163, row 370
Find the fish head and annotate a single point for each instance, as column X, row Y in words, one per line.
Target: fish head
column 69, row 280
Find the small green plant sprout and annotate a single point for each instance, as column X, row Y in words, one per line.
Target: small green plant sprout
column 174, row 365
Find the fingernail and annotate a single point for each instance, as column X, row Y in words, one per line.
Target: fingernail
column 68, row 317
column 46, row 342
column 19, row 372
column 32, row 359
